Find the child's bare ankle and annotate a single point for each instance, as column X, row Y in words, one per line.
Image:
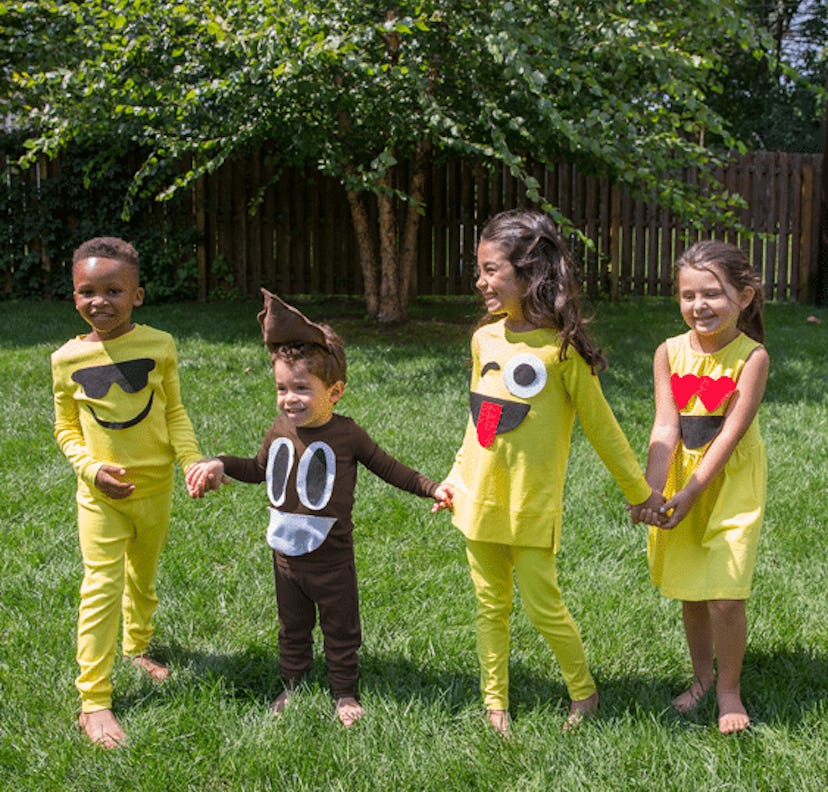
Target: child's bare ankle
column 733, row 716
column 348, row 710
column 102, row 728
column 499, row 721
column 694, row 695
column 277, row 706
column 156, row 669
column 579, row 711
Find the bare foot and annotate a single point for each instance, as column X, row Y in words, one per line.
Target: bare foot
column 579, row 711
column 733, row 715
column 348, row 710
column 157, row 671
column 499, row 721
column 693, row 696
column 102, row 728
column 278, row 705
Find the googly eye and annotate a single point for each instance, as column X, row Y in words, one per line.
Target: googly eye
column 525, row 376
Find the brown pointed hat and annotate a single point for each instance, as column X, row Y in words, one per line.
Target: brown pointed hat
column 282, row 324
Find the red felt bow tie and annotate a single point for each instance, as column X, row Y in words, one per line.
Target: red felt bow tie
column 712, row 392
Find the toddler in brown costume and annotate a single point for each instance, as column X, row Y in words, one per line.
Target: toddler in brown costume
column 309, row 461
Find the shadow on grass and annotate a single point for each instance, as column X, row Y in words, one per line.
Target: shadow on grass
column 30, row 322
column 780, row 688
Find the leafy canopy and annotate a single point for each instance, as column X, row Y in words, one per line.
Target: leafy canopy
column 622, row 87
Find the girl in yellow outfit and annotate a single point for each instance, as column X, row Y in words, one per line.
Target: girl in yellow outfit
column 708, row 456
column 533, row 368
column 120, row 422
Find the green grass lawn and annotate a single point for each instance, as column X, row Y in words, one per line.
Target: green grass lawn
column 208, row 728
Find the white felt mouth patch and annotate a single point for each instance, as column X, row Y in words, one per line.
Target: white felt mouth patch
column 297, row 534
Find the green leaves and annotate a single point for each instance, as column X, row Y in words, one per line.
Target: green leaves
column 622, row 87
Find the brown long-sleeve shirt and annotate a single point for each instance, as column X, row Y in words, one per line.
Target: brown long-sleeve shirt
column 311, row 473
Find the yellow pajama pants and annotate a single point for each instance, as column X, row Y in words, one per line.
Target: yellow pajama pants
column 492, row 566
column 120, row 542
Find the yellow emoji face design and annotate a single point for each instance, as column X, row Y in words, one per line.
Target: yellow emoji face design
column 493, row 412
column 131, row 376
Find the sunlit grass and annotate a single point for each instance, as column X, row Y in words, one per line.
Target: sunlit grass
column 208, row 729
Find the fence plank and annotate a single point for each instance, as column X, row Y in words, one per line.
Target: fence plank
column 300, row 238
column 808, row 237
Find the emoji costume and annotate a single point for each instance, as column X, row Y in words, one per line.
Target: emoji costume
column 711, row 553
column 311, row 475
column 119, row 402
column 509, row 480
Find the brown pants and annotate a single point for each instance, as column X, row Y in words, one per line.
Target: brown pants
column 333, row 591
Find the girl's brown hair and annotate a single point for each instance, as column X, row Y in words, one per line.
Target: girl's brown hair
column 535, row 248
column 736, row 268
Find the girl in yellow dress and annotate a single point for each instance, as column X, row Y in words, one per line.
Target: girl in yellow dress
column 706, row 454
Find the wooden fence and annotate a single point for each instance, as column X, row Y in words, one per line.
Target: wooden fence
column 300, row 238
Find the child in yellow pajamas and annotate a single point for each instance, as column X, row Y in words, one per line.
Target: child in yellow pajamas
column 533, row 369
column 120, row 422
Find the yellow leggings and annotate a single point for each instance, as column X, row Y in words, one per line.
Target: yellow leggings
column 537, row 579
column 120, row 543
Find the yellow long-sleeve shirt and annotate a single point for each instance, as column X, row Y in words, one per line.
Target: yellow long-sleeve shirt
column 119, row 402
column 509, row 473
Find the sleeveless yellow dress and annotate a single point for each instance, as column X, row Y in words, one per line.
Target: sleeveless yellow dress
column 711, row 553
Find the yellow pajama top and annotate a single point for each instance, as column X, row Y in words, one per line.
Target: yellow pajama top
column 523, row 405
column 119, row 402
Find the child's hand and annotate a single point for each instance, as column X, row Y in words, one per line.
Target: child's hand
column 108, row 481
column 203, row 476
column 676, row 509
column 443, row 498
column 648, row 511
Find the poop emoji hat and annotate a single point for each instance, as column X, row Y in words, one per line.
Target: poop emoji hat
column 283, row 324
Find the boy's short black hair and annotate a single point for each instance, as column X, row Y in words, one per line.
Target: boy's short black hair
column 107, row 247
column 326, row 362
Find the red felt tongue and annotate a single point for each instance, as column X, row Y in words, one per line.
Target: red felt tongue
column 487, row 421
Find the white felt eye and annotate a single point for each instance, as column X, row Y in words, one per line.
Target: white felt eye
column 525, row 376
column 279, row 463
column 316, row 475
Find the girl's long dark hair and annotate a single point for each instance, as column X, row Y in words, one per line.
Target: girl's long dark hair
column 541, row 258
column 734, row 264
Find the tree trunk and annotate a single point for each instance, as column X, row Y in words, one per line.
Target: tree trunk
column 392, row 308
column 367, row 257
column 387, row 282
column 408, row 251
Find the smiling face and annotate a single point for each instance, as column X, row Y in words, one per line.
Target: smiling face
column 498, row 282
column 710, row 305
column 105, row 292
column 302, row 397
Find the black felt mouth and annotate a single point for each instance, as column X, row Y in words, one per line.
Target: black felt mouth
column 510, row 418
column 124, row 424
column 698, row 430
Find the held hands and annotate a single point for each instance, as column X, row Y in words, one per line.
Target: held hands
column 204, row 476
column 666, row 514
column 443, row 498
column 676, row 509
column 109, row 481
column 649, row 511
